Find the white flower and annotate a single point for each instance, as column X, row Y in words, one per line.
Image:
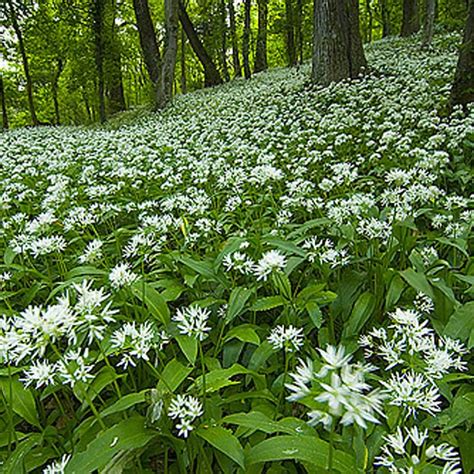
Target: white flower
column 58, row 467
column 270, row 261
column 192, row 321
column 121, row 276
column 40, row 373
column 334, row 358
column 287, row 338
column 93, row 252
column 186, row 409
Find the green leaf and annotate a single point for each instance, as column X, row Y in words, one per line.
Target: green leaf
column 86, row 270
column 102, row 379
column 362, row 311
column 257, row 420
column 260, row 356
column 125, row 403
column 394, row 291
column 153, row 301
column 418, row 281
column 15, row 463
column 8, row 256
column 244, row 333
column 466, row 442
column 124, row 436
column 224, row 441
column 220, row 378
column 21, row 399
column 173, row 375
column 461, row 323
column 314, row 313
column 302, row 448
column 462, row 410
column 237, row 300
column 268, row 302
column 189, row 347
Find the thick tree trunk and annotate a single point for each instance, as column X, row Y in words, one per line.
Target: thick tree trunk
column 261, row 49
column 290, row 33
column 428, row 25
column 233, row 36
column 411, row 18
column 385, row 13
column 165, row 86
column 148, row 43
column 211, row 74
column 370, row 20
column 4, row 105
column 246, row 39
column 223, row 12
column 462, row 91
column 24, row 59
column 337, row 50
column 299, row 31
column 54, row 90
column 184, row 81
column 98, row 7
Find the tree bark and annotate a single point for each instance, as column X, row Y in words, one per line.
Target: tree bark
column 428, row 24
column 148, row 42
column 54, row 89
column 211, row 74
column 411, row 18
column 235, row 45
column 98, row 7
column 223, row 15
column 165, row 87
column 184, row 81
column 26, row 66
column 370, row 20
column 246, row 39
column 4, row 105
column 385, row 12
column 290, row 33
column 261, row 49
column 337, row 51
column 299, row 31
column 462, row 91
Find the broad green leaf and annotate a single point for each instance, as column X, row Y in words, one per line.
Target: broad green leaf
column 85, row 270
column 314, row 313
column 244, row 333
column 461, row 323
column 22, row 400
column 237, row 300
column 125, row 402
column 220, row 378
column 462, row 410
column 268, row 302
column 418, row 281
column 302, row 448
column 257, row 420
column 189, row 347
column 361, row 313
column 394, row 291
column 103, row 378
column 224, row 441
column 260, row 356
column 173, row 375
column 15, row 463
column 287, row 246
column 125, row 436
column 153, row 301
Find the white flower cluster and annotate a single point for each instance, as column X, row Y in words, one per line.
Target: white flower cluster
column 410, row 453
column 419, row 357
column 337, row 391
column 325, row 252
column 192, row 321
column 185, row 408
column 289, row 338
column 122, row 276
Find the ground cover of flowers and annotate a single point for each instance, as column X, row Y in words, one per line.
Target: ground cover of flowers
column 268, row 277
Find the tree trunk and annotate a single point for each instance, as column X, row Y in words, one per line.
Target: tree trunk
column 337, row 49
column 98, row 7
column 261, row 50
column 54, row 90
column 411, row 18
column 428, row 25
column 148, row 43
column 165, row 86
column 299, row 31
column 370, row 20
column 246, row 39
column 184, row 81
column 233, row 35
column 211, row 74
column 4, row 105
column 290, row 33
column 385, row 12
column 223, row 12
column 26, row 66
column 463, row 87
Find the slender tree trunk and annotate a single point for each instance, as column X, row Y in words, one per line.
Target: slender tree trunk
column 233, row 36
column 4, row 105
column 337, row 53
column 54, row 89
column 428, row 25
column 290, row 33
column 184, row 81
column 24, row 59
column 462, row 91
column 261, row 50
column 299, row 31
column 370, row 20
column 98, row 7
column 211, row 74
column 246, row 39
column 385, row 13
column 223, row 12
column 411, row 18
column 165, row 87
column 86, row 104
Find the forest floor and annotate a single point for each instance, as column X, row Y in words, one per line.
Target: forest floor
column 264, row 203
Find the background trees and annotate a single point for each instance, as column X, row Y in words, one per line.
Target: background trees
column 80, row 61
